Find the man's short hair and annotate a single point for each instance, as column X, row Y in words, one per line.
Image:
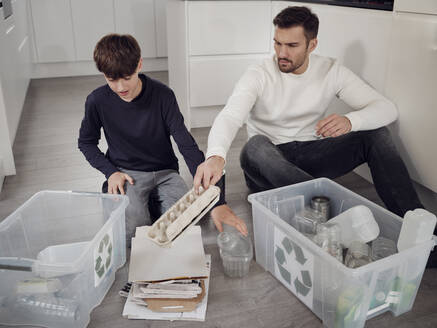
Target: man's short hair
column 298, row 16
column 117, row 56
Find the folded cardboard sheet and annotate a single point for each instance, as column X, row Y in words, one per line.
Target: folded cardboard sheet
column 150, row 262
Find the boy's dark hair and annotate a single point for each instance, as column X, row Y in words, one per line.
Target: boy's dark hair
column 117, row 56
column 299, row 16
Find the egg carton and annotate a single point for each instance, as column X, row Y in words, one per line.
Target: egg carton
column 186, row 212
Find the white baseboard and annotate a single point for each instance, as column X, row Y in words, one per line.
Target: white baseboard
column 84, row 68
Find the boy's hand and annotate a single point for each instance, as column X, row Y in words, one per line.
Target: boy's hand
column 116, row 182
column 333, row 126
column 209, row 172
column 223, row 214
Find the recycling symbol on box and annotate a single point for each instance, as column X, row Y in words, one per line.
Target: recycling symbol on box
column 288, row 255
column 103, row 256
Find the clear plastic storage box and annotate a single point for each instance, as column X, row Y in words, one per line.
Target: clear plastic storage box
column 59, row 253
column 338, row 295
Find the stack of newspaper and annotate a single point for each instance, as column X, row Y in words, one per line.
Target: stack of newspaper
column 168, row 283
column 184, row 288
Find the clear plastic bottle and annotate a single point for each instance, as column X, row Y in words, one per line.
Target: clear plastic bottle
column 236, row 253
column 306, row 221
column 418, row 227
column 272, row 204
column 328, row 238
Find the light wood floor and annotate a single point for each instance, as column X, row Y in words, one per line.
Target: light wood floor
column 47, row 157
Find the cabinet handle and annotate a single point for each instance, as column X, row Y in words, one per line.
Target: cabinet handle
column 20, row 47
column 9, row 30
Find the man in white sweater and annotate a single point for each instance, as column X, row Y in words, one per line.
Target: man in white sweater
column 284, row 100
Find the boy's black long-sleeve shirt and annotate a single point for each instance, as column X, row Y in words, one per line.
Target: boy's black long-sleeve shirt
column 137, row 132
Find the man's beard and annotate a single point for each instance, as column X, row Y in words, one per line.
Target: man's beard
column 291, row 68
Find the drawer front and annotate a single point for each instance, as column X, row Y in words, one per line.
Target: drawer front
column 229, row 27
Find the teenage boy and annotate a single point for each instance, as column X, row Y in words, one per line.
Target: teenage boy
column 138, row 115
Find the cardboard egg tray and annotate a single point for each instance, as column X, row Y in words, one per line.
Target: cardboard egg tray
column 186, row 212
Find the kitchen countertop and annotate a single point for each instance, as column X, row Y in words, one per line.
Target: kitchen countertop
column 369, row 4
column 365, row 4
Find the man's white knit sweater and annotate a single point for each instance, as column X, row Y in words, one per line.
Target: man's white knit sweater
column 286, row 107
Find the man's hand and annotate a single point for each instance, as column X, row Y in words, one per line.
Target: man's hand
column 209, row 172
column 116, row 182
column 223, row 214
column 333, row 126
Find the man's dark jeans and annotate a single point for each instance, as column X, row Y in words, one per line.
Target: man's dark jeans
column 267, row 166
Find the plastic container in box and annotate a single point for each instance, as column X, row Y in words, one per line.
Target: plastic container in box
column 59, row 253
column 236, row 252
column 338, row 295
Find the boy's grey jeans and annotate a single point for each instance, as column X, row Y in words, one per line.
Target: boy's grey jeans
column 150, row 196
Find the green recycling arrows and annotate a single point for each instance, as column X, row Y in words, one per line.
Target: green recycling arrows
column 302, row 283
column 104, row 252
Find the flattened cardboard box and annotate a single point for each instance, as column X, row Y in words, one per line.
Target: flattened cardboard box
column 175, row 304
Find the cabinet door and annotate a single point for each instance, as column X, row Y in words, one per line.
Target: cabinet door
column 229, row 27
column 22, row 52
column 137, row 17
column 53, row 30
column 20, row 9
column 91, row 20
column 14, row 69
column 212, row 79
column 161, row 27
column 411, row 83
column 9, row 65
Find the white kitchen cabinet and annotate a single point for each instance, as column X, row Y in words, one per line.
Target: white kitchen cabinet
column 229, row 27
column 20, row 8
column 211, row 44
column 66, row 32
column 178, row 56
column 16, row 69
column 7, row 103
column 91, row 20
column 161, row 27
column 53, row 30
column 18, row 83
column 221, row 37
column 419, row 7
column 14, row 80
column 8, row 63
column 212, row 79
column 137, row 17
column 411, row 83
